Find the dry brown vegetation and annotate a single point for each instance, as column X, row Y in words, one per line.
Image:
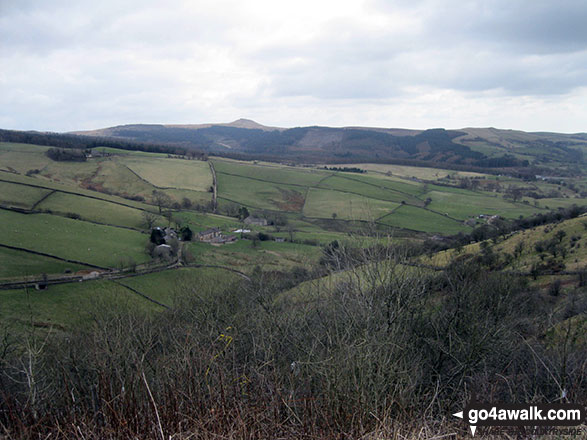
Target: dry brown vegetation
column 386, row 352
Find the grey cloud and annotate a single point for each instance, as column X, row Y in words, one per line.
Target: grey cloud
column 150, row 61
column 475, row 46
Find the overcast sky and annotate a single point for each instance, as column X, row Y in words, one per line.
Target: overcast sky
column 72, row 65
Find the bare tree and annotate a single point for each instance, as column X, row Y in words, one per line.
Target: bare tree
column 161, row 199
column 149, row 218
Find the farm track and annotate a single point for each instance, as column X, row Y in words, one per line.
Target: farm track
column 111, row 274
column 214, row 187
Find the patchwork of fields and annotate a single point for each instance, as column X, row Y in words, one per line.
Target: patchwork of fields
column 74, row 217
column 324, row 194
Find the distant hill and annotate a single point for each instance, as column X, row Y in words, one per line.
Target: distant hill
column 467, row 147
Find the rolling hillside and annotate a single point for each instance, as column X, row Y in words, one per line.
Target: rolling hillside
column 488, row 148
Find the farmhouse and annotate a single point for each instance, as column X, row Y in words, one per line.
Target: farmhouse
column 255, row 221
column 209, row 234
column 162, row 251
column 170, row 234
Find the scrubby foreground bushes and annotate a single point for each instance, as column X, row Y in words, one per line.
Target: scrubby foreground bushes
column 380, row 350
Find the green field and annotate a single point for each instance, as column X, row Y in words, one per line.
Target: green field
column 77, row 240
column 405, row 171
column 418, row 219
column 66, row 305
column 376, row 191
column 17, row 264
column 461, row 205
column 20, row 196
column 94, row 210
column 192, row 175
column 272, row 173
column 244, row 255
column 258, row 194
column 318, row 205
column 345, row 206
column 169, row 287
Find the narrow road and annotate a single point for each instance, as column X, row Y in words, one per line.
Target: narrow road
column 214, row 187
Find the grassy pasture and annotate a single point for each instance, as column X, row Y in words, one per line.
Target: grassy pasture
column 419, row 219
column 22, row 161
column 462, row 205
column 169, row 287
column 200, row 222
column 21, row 148
column 50, row 185
column 558, row 202
column 258, row 194
column 322, row 203
column 116, row 177
column 192, row 175
column 73, row 239
column 20, row 196
column 94, row 210
column 199, row 197
column 15, row 263
column 275, row 174
column 67, row 305
column 243, row 255
column 405, row 187
column 367, row 189
column 121, row 152
column 423, row 173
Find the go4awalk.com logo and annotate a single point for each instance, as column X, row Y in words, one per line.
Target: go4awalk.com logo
column 521, row 416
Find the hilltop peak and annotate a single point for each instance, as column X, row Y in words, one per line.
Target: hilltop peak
column 248, row 123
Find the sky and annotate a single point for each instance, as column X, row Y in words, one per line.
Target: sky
column 418, row 64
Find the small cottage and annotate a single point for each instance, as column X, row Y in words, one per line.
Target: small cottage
column 162, row 251
column 209, row 234
column 256, row 221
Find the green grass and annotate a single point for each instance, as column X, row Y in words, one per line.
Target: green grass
column 323, row 203
column 243, row 255
column 405, row 171
column 72, row 305
column 94, row 210
column 258, row 194
column 196, row 197
column 170, row 286
column 67, row 305
column 272, row 173
column 14, row 264
column 50, row 185
column 192, row 175
column 121, row 152
column 402, row 186
column 419, row 219
column 22, row 148
column 73, row 239
column 19, row 196
column 200, row 221
column 378, row 191
column 116, row 177
column 560, row 202
column 465, row 205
